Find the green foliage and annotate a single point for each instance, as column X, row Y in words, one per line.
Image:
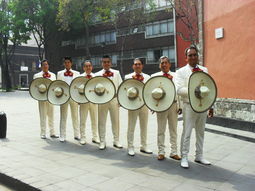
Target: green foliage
column 12, row 28
column 75, row 13
column 38, row 15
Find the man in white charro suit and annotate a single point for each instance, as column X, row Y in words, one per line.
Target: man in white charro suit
column 142, row 113
column 112, row 106
column 170, row 115
column 191, row 119
column 88, row 108
column 46, row 110
column 68, row 75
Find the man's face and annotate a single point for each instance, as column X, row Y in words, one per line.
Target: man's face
column 68, row 64
column 45, row 66
column 87, row 67
column 106, row 63
column 165, row 65
column 192, row 57
column 137, row 66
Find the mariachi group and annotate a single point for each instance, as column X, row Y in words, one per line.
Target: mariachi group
column 190, row 91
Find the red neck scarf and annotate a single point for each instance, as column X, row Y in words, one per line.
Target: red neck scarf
column 46, row 75
column 138, row 77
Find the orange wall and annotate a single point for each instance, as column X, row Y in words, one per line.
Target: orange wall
column 182, row 44
column 231, row 60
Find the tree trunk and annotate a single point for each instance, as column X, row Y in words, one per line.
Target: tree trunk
column 88, row 55
column 6, row 82
column 52, row 51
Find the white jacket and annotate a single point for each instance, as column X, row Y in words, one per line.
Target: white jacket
column 182, row 81
column 116, row 78
column 67, row 79
column 130, row 76
column 40, row 74
column 85, row 74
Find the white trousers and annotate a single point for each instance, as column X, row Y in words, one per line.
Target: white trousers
column 171, row 116
column 46, row 110
column 142, row 113
column 113, row 108
column 192, row 120
column 63, row 118
column 84, row 110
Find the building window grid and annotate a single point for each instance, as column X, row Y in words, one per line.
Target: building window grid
column 161, row 28
column 96, row 61
column 153, row 55
column 108, row 37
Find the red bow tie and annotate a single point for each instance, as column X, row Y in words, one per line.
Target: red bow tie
column 68, row 73
column 138, row 77
column 108, row 74
column 88, row 76
column 197, row 69
column 169, row 76
column 46, row 75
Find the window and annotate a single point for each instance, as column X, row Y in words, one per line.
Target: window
column 77, row 61
column 154, row 55
column 33, row 66
column 150, row 55
column 96, row 60
column 131, row 30
column 105, row 37
column 66, row 43
column 108, row 37
column 161, row 28
column 160, row 3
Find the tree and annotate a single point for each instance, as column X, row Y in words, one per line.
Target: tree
column 186, row 11
column 125, row 14
column 77, row 15
column 80, row 15
column 40, row 19
column 13, row 32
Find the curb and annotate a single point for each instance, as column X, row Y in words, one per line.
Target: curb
column 232, row 123
column 15, row 184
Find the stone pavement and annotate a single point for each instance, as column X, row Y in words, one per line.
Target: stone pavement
column 51, row 165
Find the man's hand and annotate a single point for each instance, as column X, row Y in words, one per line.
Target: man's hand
column 179, row 111
column 210, row 113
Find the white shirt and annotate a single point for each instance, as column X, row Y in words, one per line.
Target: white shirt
column 40, row 74
column 67, row 79
column 145, row 76
column 85, row 74
column 116, row 78
column 171, row 73
column 182, row 80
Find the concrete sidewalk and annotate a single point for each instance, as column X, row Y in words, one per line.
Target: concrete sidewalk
column 51, row 165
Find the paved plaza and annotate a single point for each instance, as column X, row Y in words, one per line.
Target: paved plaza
column 51, row 165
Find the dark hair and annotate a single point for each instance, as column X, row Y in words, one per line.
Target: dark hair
column 83, row 64
column 106, row 56
column 189, row 48
column 44, row 60
column 68, row 58
column 139, row 60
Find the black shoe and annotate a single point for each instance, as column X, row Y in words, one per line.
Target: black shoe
column 118, row 146
column 54, row 136
column 94, row 141
column 77, row 138
column 146, row 151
